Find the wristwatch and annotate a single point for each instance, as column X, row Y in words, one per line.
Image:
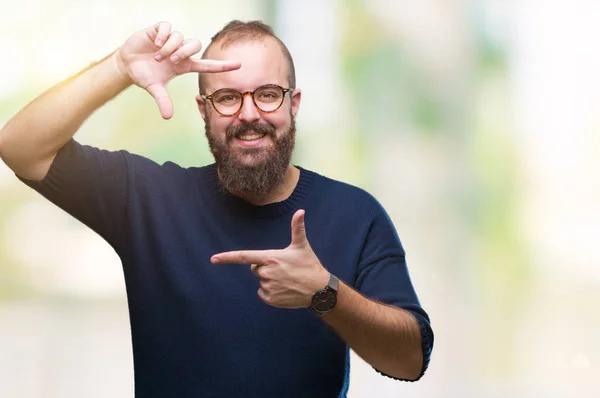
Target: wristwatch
column 324, row 300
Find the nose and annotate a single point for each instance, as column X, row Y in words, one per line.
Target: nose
column 248, row 113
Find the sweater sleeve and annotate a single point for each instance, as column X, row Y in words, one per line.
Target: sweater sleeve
column 91, row 185
column 383, row 275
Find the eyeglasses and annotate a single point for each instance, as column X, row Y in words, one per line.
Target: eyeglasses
column 267, row 98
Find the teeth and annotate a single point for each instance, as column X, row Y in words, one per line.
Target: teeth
column 251, row 137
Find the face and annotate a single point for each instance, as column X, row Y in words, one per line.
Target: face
column 252, row 149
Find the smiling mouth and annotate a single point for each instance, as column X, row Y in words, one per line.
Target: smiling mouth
column 250, row 136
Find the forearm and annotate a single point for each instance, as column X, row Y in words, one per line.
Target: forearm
column 30, row 140
column 386, row 337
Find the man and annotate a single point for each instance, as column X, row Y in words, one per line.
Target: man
column 249, row 277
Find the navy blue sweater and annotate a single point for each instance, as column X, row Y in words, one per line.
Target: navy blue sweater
column 198, row 329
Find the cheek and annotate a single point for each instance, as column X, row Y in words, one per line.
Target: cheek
column 281, row 121
column 218, row 125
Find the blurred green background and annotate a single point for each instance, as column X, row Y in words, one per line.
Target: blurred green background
column 475, row 123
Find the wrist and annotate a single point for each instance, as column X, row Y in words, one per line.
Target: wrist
column 119, row 69
column 325, row 299
column 320, row 281
column 316, row 283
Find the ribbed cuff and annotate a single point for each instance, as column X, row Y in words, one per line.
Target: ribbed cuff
column 426, row 346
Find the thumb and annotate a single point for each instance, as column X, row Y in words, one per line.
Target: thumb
column 298, row 228
column 162, row 98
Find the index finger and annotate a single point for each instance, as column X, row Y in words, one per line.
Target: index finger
column 211, row 65
column 241, row 257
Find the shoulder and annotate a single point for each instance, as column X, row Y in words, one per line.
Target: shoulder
column 149, row 169
column 345, row 195
column 353, row 208
column 148, row 175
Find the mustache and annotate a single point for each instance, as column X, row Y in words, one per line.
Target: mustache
column 260, row 128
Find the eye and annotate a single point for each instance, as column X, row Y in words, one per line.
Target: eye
column 269, row 95
column 226, row 97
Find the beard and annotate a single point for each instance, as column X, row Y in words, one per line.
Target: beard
column 267, row 170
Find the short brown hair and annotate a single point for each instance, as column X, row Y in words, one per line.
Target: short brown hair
column 239, row 31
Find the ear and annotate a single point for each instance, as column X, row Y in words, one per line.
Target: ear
column 201, row 106
column 296, row 99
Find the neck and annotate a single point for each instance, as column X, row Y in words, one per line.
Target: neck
column 279, row 194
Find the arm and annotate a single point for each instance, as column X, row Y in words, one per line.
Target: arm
column 395, row 341
column 90, row 184
column 386, row 337
column 30, row 140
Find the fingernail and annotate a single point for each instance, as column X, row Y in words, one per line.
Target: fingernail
column 158, row 43
column 174, row 58
column 214, row 259
column 158, row 57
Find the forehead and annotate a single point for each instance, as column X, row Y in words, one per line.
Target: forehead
column 262, row 61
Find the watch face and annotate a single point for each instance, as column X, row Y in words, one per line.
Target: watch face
column 324, row 300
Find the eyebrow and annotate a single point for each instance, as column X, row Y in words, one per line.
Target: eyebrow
column 242, row 91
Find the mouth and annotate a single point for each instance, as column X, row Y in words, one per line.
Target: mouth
column 251, row 136
column 250, row 139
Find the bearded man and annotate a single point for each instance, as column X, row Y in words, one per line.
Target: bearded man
column 249, row 277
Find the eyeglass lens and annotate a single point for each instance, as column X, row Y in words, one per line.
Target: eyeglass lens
column 266, row 98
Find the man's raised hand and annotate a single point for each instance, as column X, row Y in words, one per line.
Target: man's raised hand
column 155, row 55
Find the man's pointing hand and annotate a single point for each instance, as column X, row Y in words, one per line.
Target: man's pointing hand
column 288, row 277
